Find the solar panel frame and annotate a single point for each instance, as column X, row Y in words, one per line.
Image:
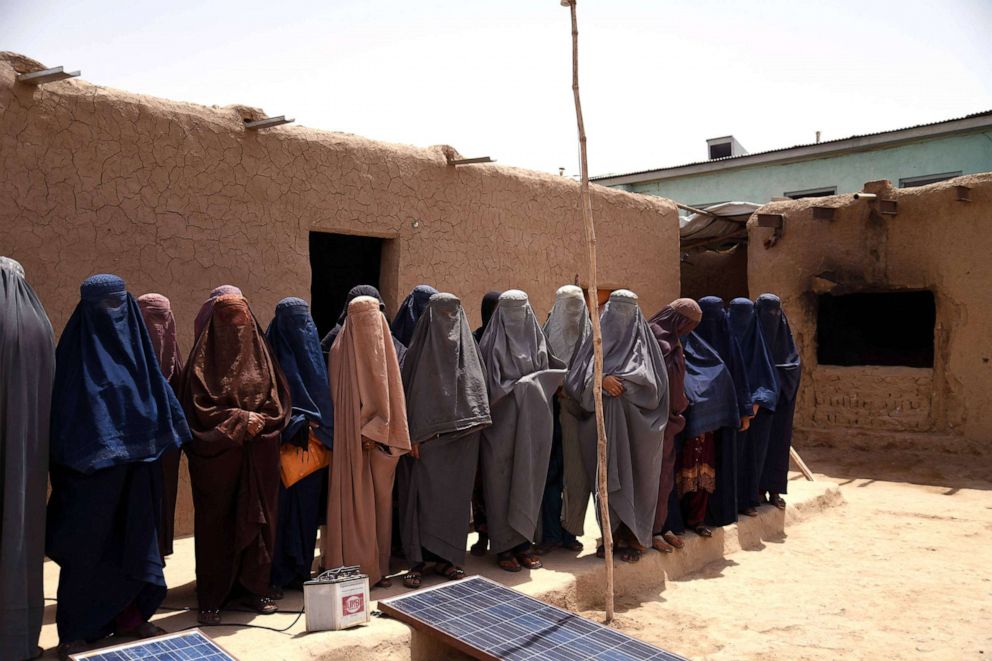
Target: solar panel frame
column 164, row 648
column 476, row 614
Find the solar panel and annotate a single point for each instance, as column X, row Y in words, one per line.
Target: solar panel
column 192, row 645
column 489, row 621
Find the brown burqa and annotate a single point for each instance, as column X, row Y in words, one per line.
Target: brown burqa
column 235, row 477
column 370, row 435
column 671, row 323
column 157, row 313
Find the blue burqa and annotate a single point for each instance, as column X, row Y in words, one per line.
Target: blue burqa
column 409, row 313
column 113, row 414
column 763, row 380
column 296, row 348
column 782, row 349
column 714, row 328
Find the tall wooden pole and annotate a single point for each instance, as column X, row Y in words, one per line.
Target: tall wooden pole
column 597, row 333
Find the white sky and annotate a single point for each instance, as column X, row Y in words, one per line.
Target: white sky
column 493, row 78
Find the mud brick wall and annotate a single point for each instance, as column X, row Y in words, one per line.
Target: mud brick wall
column 178, row 198
column 882, row 398
column 935, row 241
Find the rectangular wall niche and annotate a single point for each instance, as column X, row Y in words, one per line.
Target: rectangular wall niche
column 893, row 328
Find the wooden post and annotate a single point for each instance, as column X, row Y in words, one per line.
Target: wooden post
column 597, row 333
column 803, row 468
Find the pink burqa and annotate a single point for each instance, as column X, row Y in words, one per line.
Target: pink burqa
column 370, row 435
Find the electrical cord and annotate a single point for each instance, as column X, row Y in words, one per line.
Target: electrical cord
column 189, row 609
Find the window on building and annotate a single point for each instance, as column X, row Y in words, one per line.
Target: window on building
column 877, row 328
column 811, row 192
column 721, row 150
column 923, row 180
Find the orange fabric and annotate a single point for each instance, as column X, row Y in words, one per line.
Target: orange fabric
column 370, row 435
column 295, row 463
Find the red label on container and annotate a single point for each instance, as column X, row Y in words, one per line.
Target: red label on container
column 352, row 604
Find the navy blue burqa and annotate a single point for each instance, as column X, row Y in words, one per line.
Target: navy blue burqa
column 782, row 349
column 113, row 414
column 714, row 328
column 763, row 380
column 409, row 313
column 296, row 348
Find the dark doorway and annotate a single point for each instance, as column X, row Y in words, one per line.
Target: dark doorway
column 888, row 328
column 338, row 262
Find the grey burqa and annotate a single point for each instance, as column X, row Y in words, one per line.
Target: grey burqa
column 635, row 421
column 447, row 406
column 522, row 377
column 27, row 367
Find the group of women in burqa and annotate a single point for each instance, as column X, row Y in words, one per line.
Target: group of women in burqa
column 408, row 433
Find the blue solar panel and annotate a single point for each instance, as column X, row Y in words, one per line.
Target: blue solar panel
column 193, row 645
column 490, row 621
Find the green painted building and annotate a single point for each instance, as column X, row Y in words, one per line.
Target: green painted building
column 911, row 156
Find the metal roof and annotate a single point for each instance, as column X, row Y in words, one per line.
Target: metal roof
column 825, row 145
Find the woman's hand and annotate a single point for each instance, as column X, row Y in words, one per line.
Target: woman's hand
column 745, row 423
column 613, row 386
column 415, row 450
column 255, row 424
column 754, row 409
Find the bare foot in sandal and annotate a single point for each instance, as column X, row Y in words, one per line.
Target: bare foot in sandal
column 659, row 544
column 414, row 577
column 529, row 560
column 450, row 571
column 673, row 539
column 507, row 562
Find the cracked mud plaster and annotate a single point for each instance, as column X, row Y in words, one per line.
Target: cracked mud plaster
column 178, row 198
column 933, row 242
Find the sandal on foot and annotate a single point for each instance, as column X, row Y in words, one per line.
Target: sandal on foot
column 209, row 617
column 450, row 571
column 749, row 511
column 276, row 593
column 703, row 531
column 777, row 501
column 261, row 605
column 507, row 562
column 659, row 544
column 481, row 547
column 414, row 577
column 384, row 582
column 673, row 539
column 529, row 560
column 574, row 547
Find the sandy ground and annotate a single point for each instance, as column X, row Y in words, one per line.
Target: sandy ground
column 902, row 570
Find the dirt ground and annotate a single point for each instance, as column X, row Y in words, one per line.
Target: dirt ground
column 902, row 570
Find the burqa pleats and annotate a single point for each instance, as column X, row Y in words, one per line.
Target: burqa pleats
column 27, row 368
column 105, row 508
column 714, row 329
column 567, row 492
column 231, row 373
column 157, row 313
column 782, row 349
column 370, row 434
column 635, row 421
column 295, row 344
column 668, row 325
column 763, row 381
column 517, row 447
column 447, row 407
